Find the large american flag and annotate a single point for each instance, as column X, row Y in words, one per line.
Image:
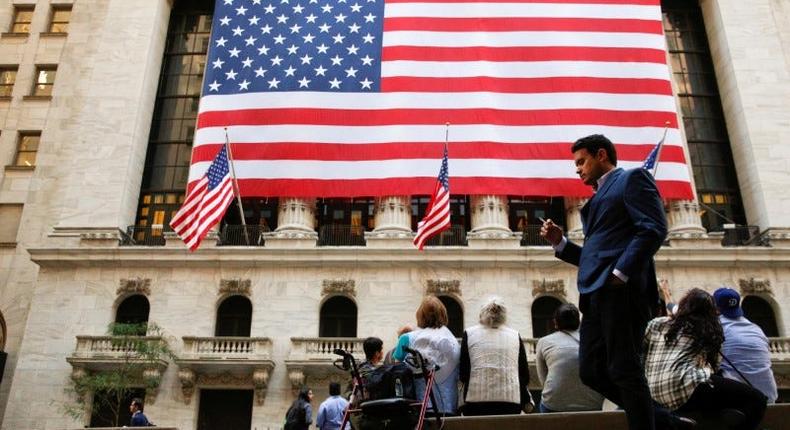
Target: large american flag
column 437, row 215
column 349, row 98
column 205, row 203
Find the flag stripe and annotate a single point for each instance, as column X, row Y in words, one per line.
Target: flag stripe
column 434, row 133
column 469, row 167
column 602, row 2
column 518, row 54
column 523, row 24
column 435, row 116
column 547, row 9
column 524, row 69
column 525, row 38
column 466, row 100
column 529, row 85
column 419, row 150
column 570, row 187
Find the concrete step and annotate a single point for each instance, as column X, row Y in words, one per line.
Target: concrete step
column 777, row 417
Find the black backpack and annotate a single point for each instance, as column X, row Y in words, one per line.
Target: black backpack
column 295, row 418
column 382, row 382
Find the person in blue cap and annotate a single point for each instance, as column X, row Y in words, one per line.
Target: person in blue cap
column 745, row 346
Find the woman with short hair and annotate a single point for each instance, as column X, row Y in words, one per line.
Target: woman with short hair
column 494, row 369
column 440, row 347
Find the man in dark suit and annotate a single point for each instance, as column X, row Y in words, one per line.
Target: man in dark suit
column 624, row 226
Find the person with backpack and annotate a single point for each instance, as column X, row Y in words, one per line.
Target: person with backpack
column 300, row 414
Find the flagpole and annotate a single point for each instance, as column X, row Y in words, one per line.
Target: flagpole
column 236, row 187
column 660, row 148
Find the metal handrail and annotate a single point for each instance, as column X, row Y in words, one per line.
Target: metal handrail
column 341, row 235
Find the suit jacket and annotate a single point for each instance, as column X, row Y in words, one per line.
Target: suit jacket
column 624, row 226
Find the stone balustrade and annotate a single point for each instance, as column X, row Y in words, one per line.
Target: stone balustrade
column 780, row 348
column 322, row 348
column 110, row 346
column 226, row 348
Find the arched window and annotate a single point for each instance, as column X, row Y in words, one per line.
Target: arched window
column 543, row 315
column 760, row 312
column 455, row 315
column 338, row 318
column 133, row 310
column 234, row 317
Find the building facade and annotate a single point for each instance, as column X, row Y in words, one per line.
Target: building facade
column 98, row 100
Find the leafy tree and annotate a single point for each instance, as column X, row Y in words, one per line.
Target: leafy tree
column 139, row 353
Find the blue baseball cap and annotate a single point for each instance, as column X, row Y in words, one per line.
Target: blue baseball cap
column 728, row 301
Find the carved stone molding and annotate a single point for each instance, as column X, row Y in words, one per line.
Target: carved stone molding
column 443, row 287
column 187, row 378
column 222, row 379
column 551, row 287
column 260, row 381
column 346, row 287
column 296, row 376
column 152, row 378
column 755, row 286
column 134, row 286
column 236, row 286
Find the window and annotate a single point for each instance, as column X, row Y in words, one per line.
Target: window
column 703, row 117
column 338, row 318
column 234, row 317
column 133, row 310
column 23, row 16
column 11, row 215
column 543, row 315
column 7, row 79
column 27, row 149
column 455, row 315
column 45, row 80
column 760, row 312
column 175, row 114
column 59, row 22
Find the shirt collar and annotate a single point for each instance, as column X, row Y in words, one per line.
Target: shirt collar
column 603, row 177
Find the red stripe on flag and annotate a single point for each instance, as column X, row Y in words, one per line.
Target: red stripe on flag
column 602, row 2
column 569, row 187
column 522, row 24
column 421, row 150
column 367, row 117
column 527, row 85
column 554, row 53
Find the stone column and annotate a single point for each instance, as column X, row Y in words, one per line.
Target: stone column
column 573, row 217
column 393, row 223
column 685, row 226
column 490, row 223
column 295, row 224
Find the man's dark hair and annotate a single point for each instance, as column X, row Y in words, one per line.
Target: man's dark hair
column 139, row 402
column 334, row 388
column 593, row 143
column 371, row 346
column 566, row 317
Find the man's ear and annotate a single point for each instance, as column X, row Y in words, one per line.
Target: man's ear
column 602, row 155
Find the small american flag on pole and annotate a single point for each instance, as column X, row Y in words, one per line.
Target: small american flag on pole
column 205, row 203
column 437, row 217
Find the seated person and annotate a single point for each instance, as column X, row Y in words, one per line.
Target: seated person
column 557, row 363
column 494, row 368
column 681, row 356
column 439, row 346
column 745, row 345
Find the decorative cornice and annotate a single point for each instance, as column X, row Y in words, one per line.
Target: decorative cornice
column 346, row 287
column 451, row 258
column 443, row 287
column 235, row 286
column 755, row 286
column 550, row 287
column 134, row 286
